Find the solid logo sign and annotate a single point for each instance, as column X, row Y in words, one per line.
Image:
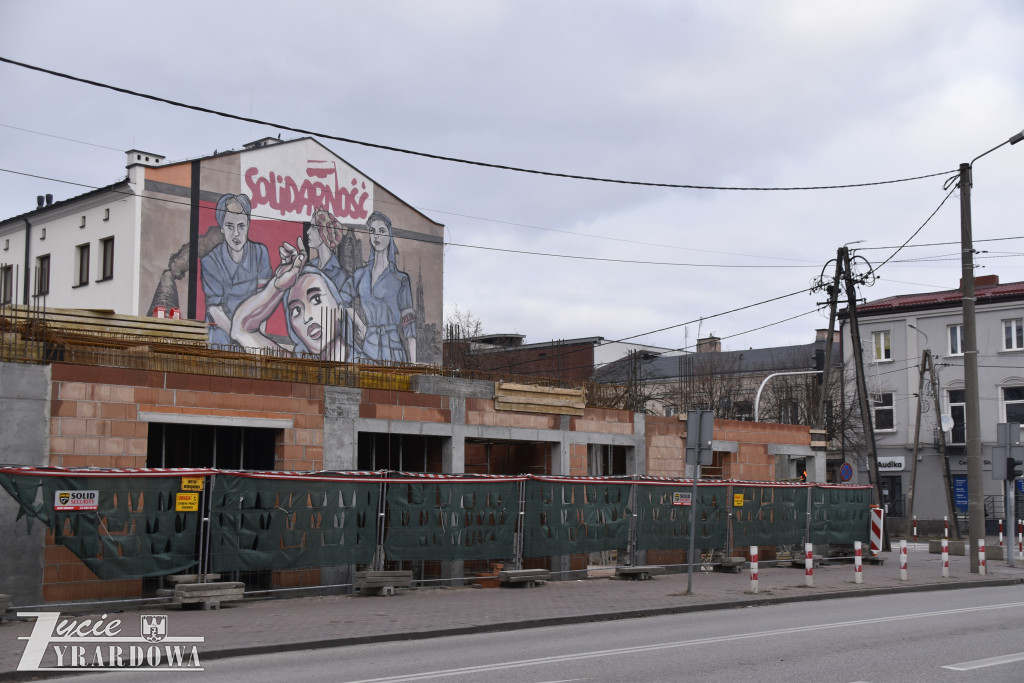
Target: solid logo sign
column 76, row 500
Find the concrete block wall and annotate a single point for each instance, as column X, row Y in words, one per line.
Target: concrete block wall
column 404, row 405
column 480, row 411
column 752, row 461
column 665, row 445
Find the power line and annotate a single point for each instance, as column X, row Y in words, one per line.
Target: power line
column 413, row 237
column 441, row 157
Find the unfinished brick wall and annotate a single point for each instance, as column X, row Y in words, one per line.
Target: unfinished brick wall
column 665, row 445
column 382, row 404
column 94, row 423
column 752, row 461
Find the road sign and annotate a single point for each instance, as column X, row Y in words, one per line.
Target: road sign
column 186, row 502
column 192, row 483
column 960, row 493
column 846, row 472
column 681, row 498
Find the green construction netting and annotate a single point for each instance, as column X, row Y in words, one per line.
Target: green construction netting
column 769, row 515
column 451, row 520
column 840, row 515
column 662, row 525
column 269, row 524
column 566, row 517
column 133, row 533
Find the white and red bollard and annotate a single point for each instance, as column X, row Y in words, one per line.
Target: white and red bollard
column 903, row 560
column 1020, row 537
column 945, row 523
column 876, row 531
column 753, row 568
column 915, row 532
column 945, row 558
column 809, row 563
column 981, row 557
column 858, row 569
column 1000, row 533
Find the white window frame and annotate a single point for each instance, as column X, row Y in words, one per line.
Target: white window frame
column 955, row 339
column 1016, row 402
column 881, row 346
column 1013, row 332
column 878, row 407
column 959, row 406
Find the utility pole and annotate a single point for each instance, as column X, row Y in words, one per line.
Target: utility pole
column 925, row 357
column 972, row 399
column 947, row 477
column 862, row 388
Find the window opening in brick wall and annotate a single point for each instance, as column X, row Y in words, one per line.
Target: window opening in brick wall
column 405, row 452
column 231, row 448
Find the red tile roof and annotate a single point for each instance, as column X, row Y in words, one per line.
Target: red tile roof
column 949, row 297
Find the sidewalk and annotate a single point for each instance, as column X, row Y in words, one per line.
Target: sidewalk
column 259, row 626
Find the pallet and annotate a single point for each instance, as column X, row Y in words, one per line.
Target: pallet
column 639, row 572
column 381, row 582
column 523, row 577
column 208, row 595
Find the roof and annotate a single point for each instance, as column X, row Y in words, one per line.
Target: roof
column 983, row 293
column 773, row 359
column 121, row 187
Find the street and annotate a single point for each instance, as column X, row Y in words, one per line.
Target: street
column 960, row 635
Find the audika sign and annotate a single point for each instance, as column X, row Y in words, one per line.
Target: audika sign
column 75, row 500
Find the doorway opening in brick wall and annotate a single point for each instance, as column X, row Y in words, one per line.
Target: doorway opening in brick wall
column 194, row 445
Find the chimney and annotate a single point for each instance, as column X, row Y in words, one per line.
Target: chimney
column 49, row 199
column 710, row 344
column 40, row 199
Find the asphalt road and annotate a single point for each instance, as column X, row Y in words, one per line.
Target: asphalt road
column 958, row 635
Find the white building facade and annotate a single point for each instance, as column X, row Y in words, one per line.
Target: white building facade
column 894, row 333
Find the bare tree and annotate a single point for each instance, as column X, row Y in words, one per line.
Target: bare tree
column 462, row 323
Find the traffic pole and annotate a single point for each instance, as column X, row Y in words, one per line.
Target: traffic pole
column 876, row 530
column 809, row 563
column 858, row 569
column 903, row 560
column 945, row 558
column 981, row 557
column 753, row 569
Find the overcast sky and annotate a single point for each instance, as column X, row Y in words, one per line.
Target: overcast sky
column 718, row 93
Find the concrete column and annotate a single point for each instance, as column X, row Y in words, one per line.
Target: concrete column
column 636, row 457
column 25, row 392
column 341, row 438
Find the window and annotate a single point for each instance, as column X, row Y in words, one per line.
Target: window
column 958, row 411
column 82, row 259
column 107, row 245
column 883, row 411
column 6, row 284
column 1013, row 334
column 955, row 334
column 881, row 345
column 1013, row 404
column 43, row 275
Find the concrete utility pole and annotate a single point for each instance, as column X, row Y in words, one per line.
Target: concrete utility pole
column 972, row 399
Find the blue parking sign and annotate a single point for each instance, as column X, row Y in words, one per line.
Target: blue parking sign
column 960, row 493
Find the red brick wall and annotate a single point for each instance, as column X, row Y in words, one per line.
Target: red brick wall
column 382, row 404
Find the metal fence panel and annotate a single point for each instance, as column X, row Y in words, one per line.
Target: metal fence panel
column 575, row 516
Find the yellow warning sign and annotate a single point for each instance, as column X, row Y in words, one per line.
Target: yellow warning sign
column 737, row 500
column 191, row 483
column 186, row 502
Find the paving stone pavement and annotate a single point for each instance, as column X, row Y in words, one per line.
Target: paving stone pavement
column 267, row 625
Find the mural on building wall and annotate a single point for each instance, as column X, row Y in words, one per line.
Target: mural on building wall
column 284, row 266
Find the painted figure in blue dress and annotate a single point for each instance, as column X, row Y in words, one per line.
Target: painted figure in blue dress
column 385, row 297
column 235, row 269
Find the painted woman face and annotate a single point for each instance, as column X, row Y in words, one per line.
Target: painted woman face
column 380, row 237
column 313, row 312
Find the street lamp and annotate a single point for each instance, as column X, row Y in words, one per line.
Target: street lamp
column 975, row 491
